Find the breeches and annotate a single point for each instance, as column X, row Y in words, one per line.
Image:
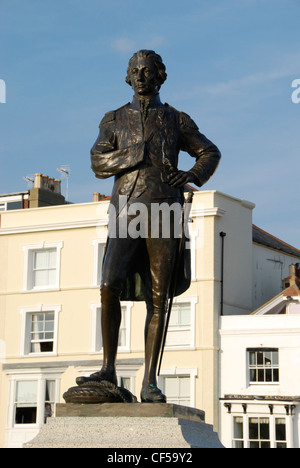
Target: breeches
column 152, row 258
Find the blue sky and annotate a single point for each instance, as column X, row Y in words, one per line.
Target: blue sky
column 230, row 65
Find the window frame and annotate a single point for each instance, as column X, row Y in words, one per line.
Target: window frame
column 263, row 367
column 192, row 373
column 28, row 273
column 12, row 199
column 96, row 327
column 245, row 439
column 179, row 399
column 193, row 234
column 17, row 404
column 41, row 378
column 260, row 440
column 26, row 320
column 279, row 441
column 47, row 269
column 192, row 301
column 97, row 266
column 235, row 439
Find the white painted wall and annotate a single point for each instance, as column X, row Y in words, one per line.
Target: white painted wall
column 237, row 333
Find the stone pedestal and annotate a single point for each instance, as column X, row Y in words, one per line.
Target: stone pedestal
column 123, row 425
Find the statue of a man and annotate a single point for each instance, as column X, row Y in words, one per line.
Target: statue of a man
column 139, row 144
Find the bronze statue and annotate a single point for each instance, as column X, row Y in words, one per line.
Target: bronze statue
column 139, row 145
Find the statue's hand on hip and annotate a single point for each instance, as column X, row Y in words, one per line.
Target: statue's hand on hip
column 180, row 178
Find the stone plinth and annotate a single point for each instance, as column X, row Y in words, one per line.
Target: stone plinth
column 131, row 410
column 118, row 425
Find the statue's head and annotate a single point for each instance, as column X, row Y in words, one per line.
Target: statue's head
column 146, row 72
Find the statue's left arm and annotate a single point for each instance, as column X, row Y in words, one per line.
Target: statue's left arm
column 205, row 152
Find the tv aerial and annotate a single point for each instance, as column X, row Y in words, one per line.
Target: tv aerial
column 30, row 180
column 65, row 174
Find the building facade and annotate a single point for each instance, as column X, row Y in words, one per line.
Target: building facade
column 50, row 314
column 260, row 400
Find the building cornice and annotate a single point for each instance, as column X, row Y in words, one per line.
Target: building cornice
column 55, row 226
column 96, row 222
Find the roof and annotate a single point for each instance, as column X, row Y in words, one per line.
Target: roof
column 13, row 194
column 291, row 291
column 277, row 304
column 264, row 238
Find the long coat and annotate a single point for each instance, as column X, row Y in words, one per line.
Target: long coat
column 137, row 150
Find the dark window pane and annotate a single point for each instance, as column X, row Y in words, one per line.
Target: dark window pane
column 280, row 429
column 261, row 375
column 269, row 375
column 260, row 358
column 25, row 415
column 17, row 205
column 46, row 347
column 264, row 430
column 253, row 428
column 275, row 375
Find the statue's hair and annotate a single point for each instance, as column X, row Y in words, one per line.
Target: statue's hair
column 157, row 60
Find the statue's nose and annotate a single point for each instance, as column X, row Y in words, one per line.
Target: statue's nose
column 140, row 75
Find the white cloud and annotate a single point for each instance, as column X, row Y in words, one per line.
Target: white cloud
column 263, row 82
column 155, row 41
column 233, row 86
column 123, row 45
column 127, row 45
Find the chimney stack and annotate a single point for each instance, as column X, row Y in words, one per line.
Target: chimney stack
column 98, row 197
column 47, row 183
column 46, row 192
column 294, row 276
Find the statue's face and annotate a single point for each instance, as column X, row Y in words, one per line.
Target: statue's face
column 143, row 76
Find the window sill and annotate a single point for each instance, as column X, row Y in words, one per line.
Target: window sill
column 263, row 384
column 34, row 355
column 38, row 290
column 180, row 348
column 25, row 426
column 119, row 350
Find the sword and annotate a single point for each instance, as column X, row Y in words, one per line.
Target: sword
column 186, row 207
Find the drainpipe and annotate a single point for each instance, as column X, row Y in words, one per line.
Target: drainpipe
column 222, row 235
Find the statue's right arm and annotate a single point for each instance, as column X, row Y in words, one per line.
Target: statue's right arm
column 107, row 160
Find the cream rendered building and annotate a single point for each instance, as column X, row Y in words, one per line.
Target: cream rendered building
column 50, row 308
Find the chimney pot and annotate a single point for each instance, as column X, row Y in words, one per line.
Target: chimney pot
column 38, row 180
